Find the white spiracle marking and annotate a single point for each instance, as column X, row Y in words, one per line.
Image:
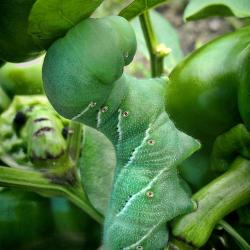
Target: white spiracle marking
column 119, row 128
column 82, row 113
column 99, row 120
column 142, row 191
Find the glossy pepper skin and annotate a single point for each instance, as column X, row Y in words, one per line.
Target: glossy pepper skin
column 206, row 93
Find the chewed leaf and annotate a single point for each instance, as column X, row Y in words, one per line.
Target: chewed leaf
column 97, row 165
column 138, row 6
column 50, row 19
column 197, row 9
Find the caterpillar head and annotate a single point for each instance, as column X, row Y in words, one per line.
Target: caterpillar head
column 81, row 68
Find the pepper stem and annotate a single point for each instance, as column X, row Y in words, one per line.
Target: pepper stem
column 217, row 199
column 157, row 51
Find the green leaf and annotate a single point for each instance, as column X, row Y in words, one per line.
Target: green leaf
column 137, row 7
column 50, row 19
column 16, row 45
column 97, row 164
column 165, row 34
column 197, row 9
column 110, row 7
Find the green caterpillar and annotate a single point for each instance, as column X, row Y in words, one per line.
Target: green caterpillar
column 84, row 81
column 31, row 133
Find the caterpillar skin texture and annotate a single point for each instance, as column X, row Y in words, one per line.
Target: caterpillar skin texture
column 84, row 80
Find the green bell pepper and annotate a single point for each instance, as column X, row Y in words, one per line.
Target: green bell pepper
column 206, row 97
column 205, row 92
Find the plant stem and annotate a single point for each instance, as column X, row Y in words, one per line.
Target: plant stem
column 74, row 141
column 35, row 181
column 157, row 51
column 217, row 199
column 230, row 230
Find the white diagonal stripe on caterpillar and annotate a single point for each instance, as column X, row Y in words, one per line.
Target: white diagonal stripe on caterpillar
column 144, row 237
column 82, row 112
column 135, row 152
column 99, row 120
column 149, row 186
column 119, row 128
column 160, row 153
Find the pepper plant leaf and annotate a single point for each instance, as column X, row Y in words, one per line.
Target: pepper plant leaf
column 97, row 164
column 137, row 7
column 50, row 19
column 197, row 9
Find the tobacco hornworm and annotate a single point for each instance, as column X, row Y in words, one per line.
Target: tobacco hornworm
column 84, row 81
column 31, row 133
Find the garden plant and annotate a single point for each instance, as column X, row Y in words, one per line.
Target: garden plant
column 111, row 139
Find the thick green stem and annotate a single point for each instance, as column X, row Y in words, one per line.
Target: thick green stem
column 230, row 230
column 37, row 182
column 220, row 197
column 75, row 134
column 234, row 141
column 157, row 51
